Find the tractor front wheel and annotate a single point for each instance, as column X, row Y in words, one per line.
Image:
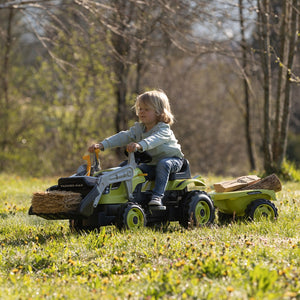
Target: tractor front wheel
column 260, row 209
column 132, row 217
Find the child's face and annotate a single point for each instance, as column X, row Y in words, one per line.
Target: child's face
column 147, row 115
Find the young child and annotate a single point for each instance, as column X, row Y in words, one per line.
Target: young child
column 152, row 134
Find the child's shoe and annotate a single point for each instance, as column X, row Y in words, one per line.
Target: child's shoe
column 155, row 201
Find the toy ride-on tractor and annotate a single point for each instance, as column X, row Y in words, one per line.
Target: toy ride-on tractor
column 120, row 195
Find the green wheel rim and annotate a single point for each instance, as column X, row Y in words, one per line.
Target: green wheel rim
column 135, row 218
column 202, row 212
column 264, row 211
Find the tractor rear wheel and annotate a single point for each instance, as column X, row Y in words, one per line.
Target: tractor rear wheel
column 260, row 209
column 198, row 210
column 132, row 217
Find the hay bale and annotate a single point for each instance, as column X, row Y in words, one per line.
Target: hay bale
column 55, row 202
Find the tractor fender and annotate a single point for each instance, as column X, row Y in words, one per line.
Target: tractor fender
column 183, row 183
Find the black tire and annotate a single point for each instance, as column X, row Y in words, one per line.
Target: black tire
column 198, row 210
column 132, row 217
column 261, row 208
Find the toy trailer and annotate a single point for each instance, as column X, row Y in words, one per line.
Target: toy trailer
column 254, row 204
column 250, row 201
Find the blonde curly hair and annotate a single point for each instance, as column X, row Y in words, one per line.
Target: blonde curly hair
column 159, row 101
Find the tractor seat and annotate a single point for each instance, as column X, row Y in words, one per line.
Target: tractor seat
column 184, row 173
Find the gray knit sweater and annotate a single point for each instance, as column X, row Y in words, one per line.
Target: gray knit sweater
column 159, row 142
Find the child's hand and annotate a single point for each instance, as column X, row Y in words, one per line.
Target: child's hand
column 132, row 147
column 93, row 147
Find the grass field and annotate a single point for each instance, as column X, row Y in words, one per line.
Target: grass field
column 43, row 260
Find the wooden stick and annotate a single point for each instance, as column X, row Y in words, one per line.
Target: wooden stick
column 235, row 184
column 270, row 182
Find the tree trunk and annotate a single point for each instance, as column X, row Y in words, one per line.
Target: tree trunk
column 121, row 70
column 280, row 80
column 264, row 26
column 121, row 92
column 246, row 91
column 4, row 74
column 292, row 38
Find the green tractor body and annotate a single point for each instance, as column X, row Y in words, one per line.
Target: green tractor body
column 119, row 196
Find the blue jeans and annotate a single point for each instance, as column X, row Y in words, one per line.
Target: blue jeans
column 161, row 173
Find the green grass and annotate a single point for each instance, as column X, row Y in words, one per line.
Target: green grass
column 43, row 260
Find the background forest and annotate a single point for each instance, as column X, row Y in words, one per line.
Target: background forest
column 70, row 71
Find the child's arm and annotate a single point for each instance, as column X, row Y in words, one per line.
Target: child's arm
column 163, row 135
column 120, row 139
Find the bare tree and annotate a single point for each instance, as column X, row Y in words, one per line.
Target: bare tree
column 4, row 79
column 264, row 31
column 275, row 144
column 291, row 34
column 244, row 49
column 138, row 32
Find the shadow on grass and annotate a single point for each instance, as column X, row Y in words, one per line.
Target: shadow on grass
column 40, row 238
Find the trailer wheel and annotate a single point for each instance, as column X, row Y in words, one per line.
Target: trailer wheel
column 198, row 210
column 132, row 217
column 260, row 209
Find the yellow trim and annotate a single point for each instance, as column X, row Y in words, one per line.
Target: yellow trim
column 89, row 164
